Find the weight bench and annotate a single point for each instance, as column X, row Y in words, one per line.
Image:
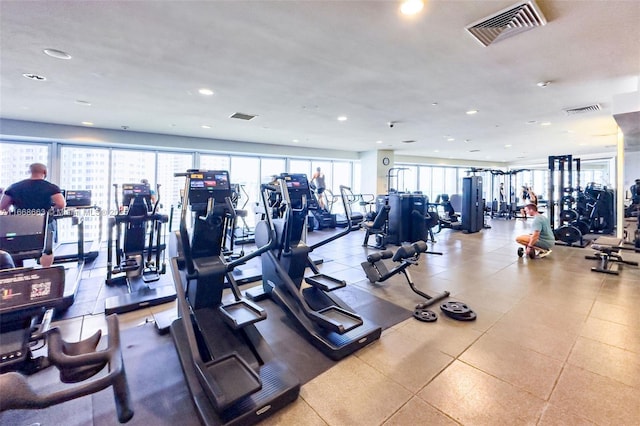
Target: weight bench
column 608, row 253
column 405, row 256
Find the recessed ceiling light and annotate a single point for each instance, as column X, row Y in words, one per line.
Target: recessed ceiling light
column 295, row 141
column 545, row 123
column 206, row 92
column 450, row 139
column 543, row 83
column 342, row 118
column 508, row 145
column 58, row 54
column 378, row 141
column 411, row 7
column 87, row 123
column 83, row 103
column 205, row 126
column 472, row 111
column 436, row 150
column 434, row 103
column 35, row 77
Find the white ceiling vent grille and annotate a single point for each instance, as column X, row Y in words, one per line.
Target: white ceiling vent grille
column 582, row 110
column 513, row 20
column 241, row 116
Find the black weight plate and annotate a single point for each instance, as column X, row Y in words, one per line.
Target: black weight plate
column 425, row 315
column 455, row 308
column 568, row 199
column 582, row 226
column 469, row 316
column 569, row 215
column 520, row 251
column 568, row 234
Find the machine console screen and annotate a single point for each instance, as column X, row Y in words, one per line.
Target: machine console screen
column 208, row 184
column 22, row 288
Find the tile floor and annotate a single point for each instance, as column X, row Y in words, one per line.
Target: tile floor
column 553, row 343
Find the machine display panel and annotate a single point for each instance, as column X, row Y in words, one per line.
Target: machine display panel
column 77, row 198
column 20, row 233
column 297, row 182
column 207, row 184
column 22, row 288
column 135, row 190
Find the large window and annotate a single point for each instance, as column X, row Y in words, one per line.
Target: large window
column 245, row 172
column 129, row 166
column 270, row 168
column 170, row 163
column 85, row 169
column 214, row 162
column 300, row 166
column 15, row 159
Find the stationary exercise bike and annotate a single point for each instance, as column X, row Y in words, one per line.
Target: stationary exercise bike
column 29, row 296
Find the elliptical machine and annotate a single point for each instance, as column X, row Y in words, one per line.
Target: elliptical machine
column 325, row 320
column 134, row 254
column 231, row 372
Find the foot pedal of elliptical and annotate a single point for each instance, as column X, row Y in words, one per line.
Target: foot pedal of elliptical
column 325, row 282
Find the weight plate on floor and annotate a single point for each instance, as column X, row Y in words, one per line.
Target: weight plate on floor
column 568, row 234
column 469, row 316
column 425, row 315
column 520, row 251
column 456, row 308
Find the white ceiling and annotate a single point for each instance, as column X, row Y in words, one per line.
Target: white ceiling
column 298, row 65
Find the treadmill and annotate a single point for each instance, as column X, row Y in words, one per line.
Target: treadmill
column 232, row 374
column 23, row 237
column 78, row 206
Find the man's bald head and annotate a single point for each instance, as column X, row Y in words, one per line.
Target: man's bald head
column 38, row 171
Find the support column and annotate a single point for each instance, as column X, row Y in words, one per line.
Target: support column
column 375, row 166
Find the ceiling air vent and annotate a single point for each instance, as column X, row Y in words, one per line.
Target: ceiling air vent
column 409, row 141
column 241, row 116
column 582, row 110
column 513, row 20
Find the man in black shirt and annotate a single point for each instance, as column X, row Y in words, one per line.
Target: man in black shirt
column 32, row 196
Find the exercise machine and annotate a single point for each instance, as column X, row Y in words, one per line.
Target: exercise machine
column 27, row 299
column 135, row 256
column 24, row 237
column 608, row 255
column 78, row 208
column 325, row 320
column 404, row 257
column 231, row 372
